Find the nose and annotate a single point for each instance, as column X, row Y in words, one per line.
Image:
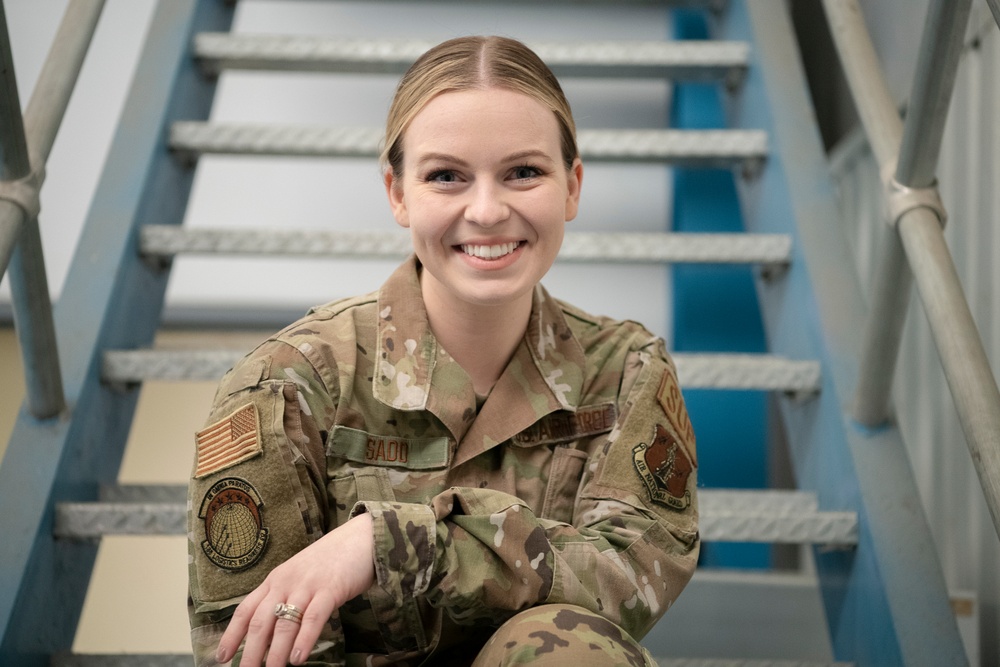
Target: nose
column 487, row 204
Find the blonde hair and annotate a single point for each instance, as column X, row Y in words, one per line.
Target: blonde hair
column 467, row 63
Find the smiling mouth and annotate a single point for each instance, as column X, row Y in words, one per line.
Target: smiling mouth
column 490, row 251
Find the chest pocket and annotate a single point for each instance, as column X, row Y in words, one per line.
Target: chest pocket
column 564, row 481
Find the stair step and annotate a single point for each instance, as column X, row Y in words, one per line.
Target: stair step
column 691, row 148
column 677, row 60
column 169, row 240
column 695, row 371
column 788, row 517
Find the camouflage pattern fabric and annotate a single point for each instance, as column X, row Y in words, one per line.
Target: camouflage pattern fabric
column 573, row 483
column 558, row 635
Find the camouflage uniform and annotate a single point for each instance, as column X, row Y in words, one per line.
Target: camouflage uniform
column 573, row 484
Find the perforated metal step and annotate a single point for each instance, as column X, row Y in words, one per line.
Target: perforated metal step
column 703, row 371
column 168, row 240
column 727, row 516
column 687, row 60
column 691, row 148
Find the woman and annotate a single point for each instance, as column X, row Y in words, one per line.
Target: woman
column 457, row 469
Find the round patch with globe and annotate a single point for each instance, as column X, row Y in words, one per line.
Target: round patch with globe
column 235, row 535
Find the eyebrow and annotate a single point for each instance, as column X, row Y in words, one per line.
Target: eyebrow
column 513, row 157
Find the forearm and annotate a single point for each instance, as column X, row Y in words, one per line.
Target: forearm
column 483, row 555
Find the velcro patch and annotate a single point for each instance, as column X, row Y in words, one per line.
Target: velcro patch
column 228, row 441
column 664, row 467
column 670, row 399
column 235, row 535
column 561, row 426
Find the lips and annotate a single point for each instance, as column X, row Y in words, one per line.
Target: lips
column 490, row 251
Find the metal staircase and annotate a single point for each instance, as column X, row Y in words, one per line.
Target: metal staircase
column 884, row 596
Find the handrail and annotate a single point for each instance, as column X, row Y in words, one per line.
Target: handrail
column 25, row 148
column 917, row 217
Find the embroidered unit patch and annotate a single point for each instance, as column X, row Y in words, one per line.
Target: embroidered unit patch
column 670, row 399
column 664, row 467
column 228, row 441
column 235, row 535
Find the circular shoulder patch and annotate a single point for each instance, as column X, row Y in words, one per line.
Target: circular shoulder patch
column 235, row 535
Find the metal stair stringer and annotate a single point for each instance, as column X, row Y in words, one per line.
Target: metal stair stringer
column 111, row 298
column 887, row 602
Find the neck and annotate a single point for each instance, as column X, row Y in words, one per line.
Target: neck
column 482, row 339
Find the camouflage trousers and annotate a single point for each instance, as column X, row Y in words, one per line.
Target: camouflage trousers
column 560, row 635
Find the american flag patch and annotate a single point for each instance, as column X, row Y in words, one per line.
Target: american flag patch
column 228, row 442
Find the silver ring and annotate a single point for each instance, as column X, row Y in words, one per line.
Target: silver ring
column 289, row 612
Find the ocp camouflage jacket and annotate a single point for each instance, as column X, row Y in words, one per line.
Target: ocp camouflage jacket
column 574, row 482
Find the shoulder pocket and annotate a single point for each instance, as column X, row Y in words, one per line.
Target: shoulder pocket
column 248, row 517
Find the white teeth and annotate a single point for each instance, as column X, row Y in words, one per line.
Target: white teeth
column 490, row 251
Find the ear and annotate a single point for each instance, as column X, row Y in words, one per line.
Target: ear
column 394, row 190
column 574, row 180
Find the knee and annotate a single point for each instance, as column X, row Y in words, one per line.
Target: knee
column 561, row 634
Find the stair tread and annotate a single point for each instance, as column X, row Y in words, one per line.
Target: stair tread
column 759, row 372
column 167, row 240
column 685, row 147
column 732, row 516
column 691, row 59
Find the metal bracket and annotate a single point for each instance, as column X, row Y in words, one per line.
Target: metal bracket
column 24, row 192
column 900, row 199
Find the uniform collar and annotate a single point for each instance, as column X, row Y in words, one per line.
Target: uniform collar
column 415, row 373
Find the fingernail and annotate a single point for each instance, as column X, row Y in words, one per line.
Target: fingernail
column 222, row 655
column 296, row 654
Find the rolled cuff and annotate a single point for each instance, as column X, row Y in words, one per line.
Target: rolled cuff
column 405, row 538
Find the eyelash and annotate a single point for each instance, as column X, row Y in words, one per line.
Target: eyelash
column 535, row 171
column 435, row 176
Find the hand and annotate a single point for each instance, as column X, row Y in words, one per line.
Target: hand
column 318, row 580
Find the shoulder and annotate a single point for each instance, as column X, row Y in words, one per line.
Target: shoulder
column 310, row 349
column 606, row 338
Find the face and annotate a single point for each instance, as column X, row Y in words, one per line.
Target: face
column 485, row 195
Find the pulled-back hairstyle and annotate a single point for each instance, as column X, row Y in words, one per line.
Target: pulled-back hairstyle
column 467, row 63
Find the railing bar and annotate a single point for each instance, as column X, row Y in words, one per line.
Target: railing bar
column 937, row 64
column 36, row 331
column 14, row 162
column 28, row 282
column 966, row 366
column 890, row 289
column 865, row 78
column 995, row 8
column 47, row 106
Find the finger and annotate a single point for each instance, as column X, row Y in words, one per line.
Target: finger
column 239, row 624
column 315, row 618
column 285, row 632
column 259, row 631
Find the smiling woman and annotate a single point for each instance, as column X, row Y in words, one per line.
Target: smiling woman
column 457, row 469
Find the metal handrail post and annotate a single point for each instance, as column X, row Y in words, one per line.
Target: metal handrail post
column 918, row 221
column 891, row 283
column 937, row 65
column 29, row 285
column 966, row 366
column 14, row 161
column 995, row 8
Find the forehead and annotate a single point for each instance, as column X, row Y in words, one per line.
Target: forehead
column 483, row 119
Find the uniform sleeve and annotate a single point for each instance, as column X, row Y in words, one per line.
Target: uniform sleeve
column 257, row 495
column 483, row 555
